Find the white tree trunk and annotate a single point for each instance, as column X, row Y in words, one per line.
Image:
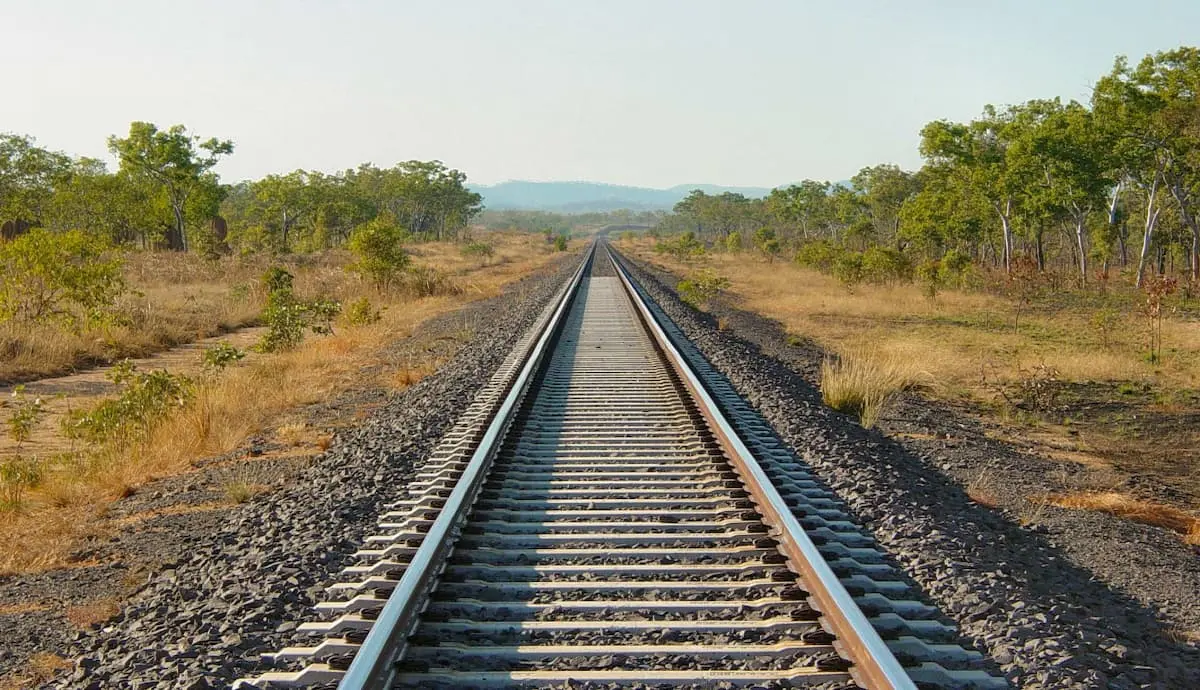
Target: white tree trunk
column 1152, row 212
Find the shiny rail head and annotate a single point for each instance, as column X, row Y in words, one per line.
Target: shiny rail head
column 374, row 664
column 876, row 667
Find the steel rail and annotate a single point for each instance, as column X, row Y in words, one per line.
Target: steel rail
column 874, row 665
column 374, row 665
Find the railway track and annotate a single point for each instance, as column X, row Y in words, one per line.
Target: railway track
column 609, row 513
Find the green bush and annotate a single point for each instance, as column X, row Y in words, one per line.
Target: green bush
column 362, row 313
column 379, row 250
column 733, row 243
column 69, row 277
column 146, row 397
column 560, row 243
column 482, row 250
column 287, row 318
column 819, row 254
column 684, row 247
column 930, row 274
column 955, row 267
column 24, row 415
column 219, row 356
column 767, row 242
column 848, row 268
column 16, row 477
column 886, row 265
column 699, row 289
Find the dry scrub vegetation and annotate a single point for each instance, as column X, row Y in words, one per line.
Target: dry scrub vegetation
column 62, row 497
column 1067, row 373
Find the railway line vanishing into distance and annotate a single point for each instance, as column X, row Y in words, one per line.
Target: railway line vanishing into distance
column 608, row 512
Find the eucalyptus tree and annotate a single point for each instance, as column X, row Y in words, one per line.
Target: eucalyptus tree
column 172, row 160
column 883, row 190
column 975, row 154
column 284, row 201
column 29, row 175
column 116, row 206
column 1150, row 111
column 804, row 206
column 1063, row 159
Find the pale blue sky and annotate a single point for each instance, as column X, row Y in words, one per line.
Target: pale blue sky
column 655, row 93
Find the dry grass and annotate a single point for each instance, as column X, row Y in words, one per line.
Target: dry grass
column 862, row 380
column 40, row 668
column 242, row 401
column 1105, row 405
column 1131, row 508
column 956, row 335
column 23, row 607
column 982, row 490
column 93, row 613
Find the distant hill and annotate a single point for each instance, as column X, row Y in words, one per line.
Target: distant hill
column 583, row 197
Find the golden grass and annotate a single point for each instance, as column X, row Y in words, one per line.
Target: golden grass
column 40, row 668
column 957, row 336
column 1131, row 508
column 23, row 607
column 242, row 401
column 174, row 299
column 862, row 380
column 92, row 613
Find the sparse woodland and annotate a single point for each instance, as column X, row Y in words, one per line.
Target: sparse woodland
column 1043, row 267
column 1089, row 193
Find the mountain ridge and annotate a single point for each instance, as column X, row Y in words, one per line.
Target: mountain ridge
column 578, row 196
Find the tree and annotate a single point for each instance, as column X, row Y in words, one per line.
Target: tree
column 379, row 248
column 28, row 177
column 287, row 199
column 173, row 160
column 69, row 277
column 884, row 189
column 1150, row 112
column 975, row 154
column 1062, row 156
column 805, row 206
column 114, row 206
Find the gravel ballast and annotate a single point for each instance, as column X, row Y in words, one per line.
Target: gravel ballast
column 1019, row 594
column 203, row 622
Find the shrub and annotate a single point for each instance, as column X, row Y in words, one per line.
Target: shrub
column 955, row 266
column 767, row 243
column 379, row 251
column 16, row 477
column 701, row 288
column 848, row 268
column 426, row 281
column 930, row 274
column 24, row 416
column 146, row 397
column 684, row 247
column 560, row 243
column 820, row 254
column 219, row 356
column 482, row 250
column 362, row 313
column 287, row 318
column 733, row 243
column 862, row 382
column 886, row 265
column 70, row 277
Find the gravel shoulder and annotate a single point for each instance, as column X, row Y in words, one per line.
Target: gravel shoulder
column 1057, row 598
column 201, row 585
